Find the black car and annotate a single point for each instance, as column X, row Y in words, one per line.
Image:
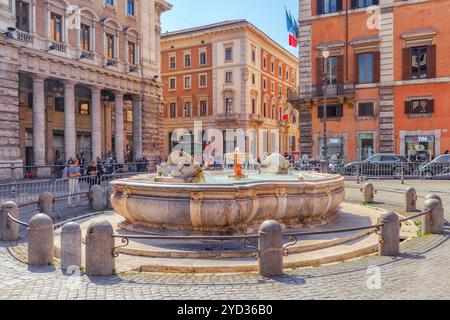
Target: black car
column 381, row 165
column 439, row 167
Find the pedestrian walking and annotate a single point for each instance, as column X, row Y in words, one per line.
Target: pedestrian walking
column 74, row 187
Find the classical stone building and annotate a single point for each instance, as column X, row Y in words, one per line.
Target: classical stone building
column 390, row 75
column 229, row 75
column 79, row 78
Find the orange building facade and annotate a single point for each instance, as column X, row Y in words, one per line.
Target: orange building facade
column 229, row 75
column 388, row 76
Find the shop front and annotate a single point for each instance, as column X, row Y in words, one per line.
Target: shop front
column 366, row 145
column 335, row 148
column 420, row 148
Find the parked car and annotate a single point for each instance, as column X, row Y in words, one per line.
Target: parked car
column 381, row 165
column 439, row 167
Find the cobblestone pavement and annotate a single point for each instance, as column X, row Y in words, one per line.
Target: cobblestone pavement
column 421, row 272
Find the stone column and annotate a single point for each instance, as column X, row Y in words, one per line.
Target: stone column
column 70, row 133
column 108, row 127
column 96, row 122
column 119, row 138
column 137, row 127
column 39, row 125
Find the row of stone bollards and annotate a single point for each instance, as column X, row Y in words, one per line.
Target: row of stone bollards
column 96, row 201
column 100, row 241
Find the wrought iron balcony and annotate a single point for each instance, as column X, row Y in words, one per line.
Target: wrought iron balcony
column 57, row 46
column 24, row 36
column 87, row 55
column 317, row 91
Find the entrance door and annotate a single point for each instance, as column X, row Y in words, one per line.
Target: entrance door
column 366, row 145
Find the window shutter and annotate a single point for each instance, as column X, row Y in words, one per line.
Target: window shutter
column 431, row 63
column 339, row 5
column 376, row 67
column 356, row 68
column 353, row 4
column 319, row 7
column 320, row 112
column 340, row 69
column 407, row 64
column 340, row 111
column 430, row 106
column 407, row 107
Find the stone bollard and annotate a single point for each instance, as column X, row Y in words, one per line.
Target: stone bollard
column 70, row 246
column 96, row 198
column 434, row 222
column 40, row 240
column 9, row 230
column 369, row 192
column 434, row 196
column 411, row 200
column 389, row 244
column 110, row 192
column 270, row 246
column 99, row 249
column 46, row 204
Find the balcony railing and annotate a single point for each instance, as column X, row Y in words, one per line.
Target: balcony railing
column 227, row 117
column 57, row 46
column 111, row 62
column 24, row 36
column 317, row 91
column 87, row 55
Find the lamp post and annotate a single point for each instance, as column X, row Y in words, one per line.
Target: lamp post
column 325, row 162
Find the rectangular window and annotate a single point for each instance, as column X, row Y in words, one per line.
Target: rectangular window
column 273, row 112
column 328, row 6
column 229, row 105
column 131, row 53
column 264, row 84
column 202, row 80
column 130, row 7
column 265, row 63
column 280, row 71
column 202, row 58
column 253, row 78
column 253, row 55
column 363, row 3
column 272, row 87
column 59, row 104
column 272, row 67
column 110, row 46
column 84, row 107
column 187, row 82
column 203, row 108
column 229, row 77
column 419, row 64
column 366, row 109
column 187, row 109
column 173, row 110
column 110, row 2
column 253, row 106
column 172, row 83
column 420, row 106
column 172, row 63
column 22, row 16
column 333, row 111
column 330, row 69
column 56, row 27
column 129, row 115
column 187, row 60
column 287, row 74
column 366, row 68
column 229, row 54
column 85, row 37
column 265, row 109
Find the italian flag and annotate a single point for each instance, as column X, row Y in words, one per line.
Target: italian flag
column 286, row 113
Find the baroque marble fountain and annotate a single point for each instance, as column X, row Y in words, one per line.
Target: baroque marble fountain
column 182, row 196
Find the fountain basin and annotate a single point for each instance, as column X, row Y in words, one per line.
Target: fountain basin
column 227, row 205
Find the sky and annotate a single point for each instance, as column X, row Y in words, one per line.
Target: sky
column 267, row 15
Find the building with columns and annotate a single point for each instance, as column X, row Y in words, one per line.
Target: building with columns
column 79, row 79
column 229, row 75
column 389, row 72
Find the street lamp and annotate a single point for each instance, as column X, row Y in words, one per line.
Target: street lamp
column 324, row 162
